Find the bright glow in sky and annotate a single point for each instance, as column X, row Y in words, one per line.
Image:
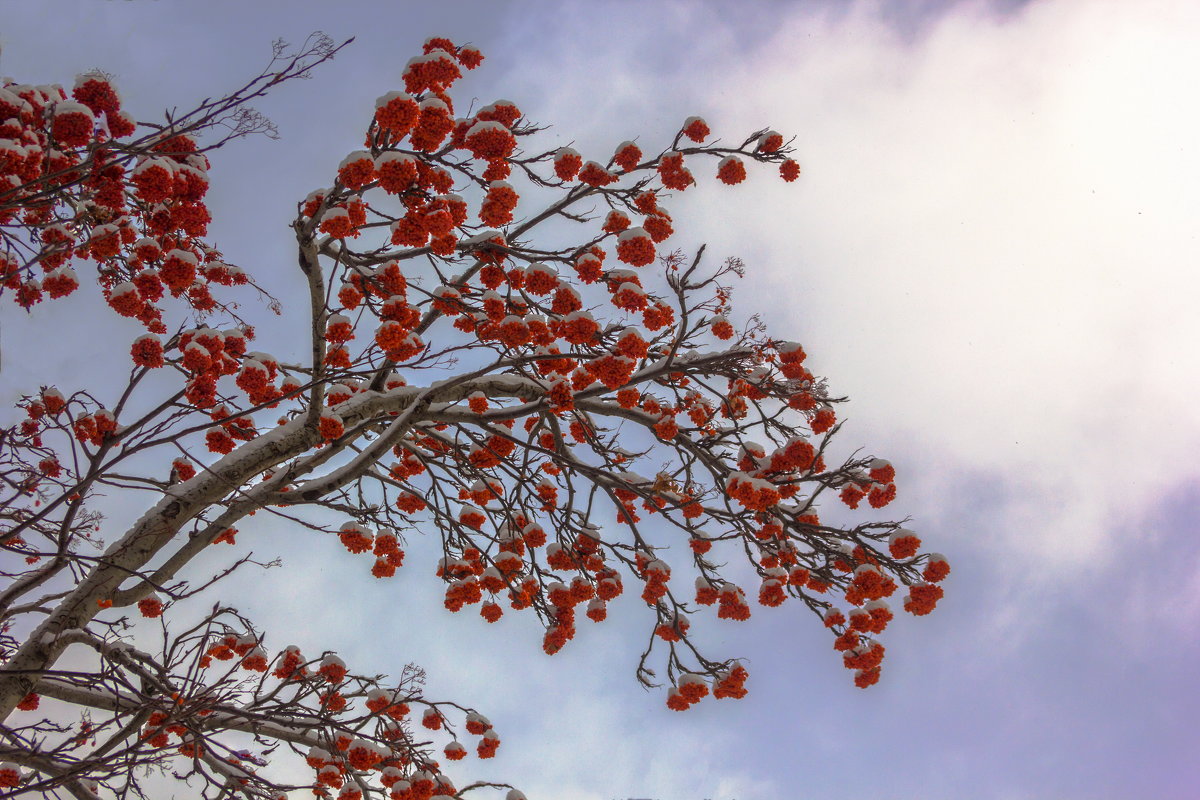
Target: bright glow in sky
column 992, row 251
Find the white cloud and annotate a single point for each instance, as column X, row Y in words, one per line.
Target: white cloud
column 992, row 248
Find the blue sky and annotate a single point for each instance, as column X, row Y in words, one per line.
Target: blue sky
column 992, row 251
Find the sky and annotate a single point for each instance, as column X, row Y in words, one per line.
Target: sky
column 992, row 251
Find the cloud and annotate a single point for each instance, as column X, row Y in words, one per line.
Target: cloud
column 991, row 250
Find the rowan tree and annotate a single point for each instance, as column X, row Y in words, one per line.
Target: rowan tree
column 508, row 350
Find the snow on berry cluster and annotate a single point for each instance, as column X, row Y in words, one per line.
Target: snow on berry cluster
column 135, row 207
